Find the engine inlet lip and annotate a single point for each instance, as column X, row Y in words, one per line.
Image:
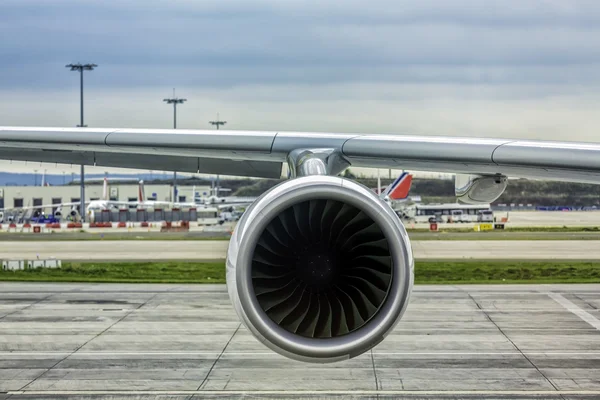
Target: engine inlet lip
column 353, row 343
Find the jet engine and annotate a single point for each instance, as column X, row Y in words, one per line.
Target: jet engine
column 320, row 269
column 74, row 213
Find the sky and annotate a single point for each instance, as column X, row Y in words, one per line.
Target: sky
column 511, row 68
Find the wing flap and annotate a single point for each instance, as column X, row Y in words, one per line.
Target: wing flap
column 549, row 155
column 215, row 144
column 576, row 162
column 199, row 143
column 223, row 166
column 422, row 148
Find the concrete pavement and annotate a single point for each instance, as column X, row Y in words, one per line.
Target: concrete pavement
column 98, row 341
column 552, row 218
column 137, row 250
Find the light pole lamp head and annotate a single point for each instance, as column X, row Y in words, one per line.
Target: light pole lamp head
column 175, row 100
column 217, row 123
column 81, row 67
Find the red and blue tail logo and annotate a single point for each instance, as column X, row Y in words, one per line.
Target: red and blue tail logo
column 399, row 189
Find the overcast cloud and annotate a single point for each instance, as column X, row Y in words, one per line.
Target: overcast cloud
column 527, row 69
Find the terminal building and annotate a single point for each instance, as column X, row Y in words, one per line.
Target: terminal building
column 46, row 200
column 35, row 196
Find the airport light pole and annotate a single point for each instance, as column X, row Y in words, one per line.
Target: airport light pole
column 80, row 68
column 217, row 123
column 174, row 100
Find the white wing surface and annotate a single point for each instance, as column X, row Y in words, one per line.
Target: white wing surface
column 261, row 154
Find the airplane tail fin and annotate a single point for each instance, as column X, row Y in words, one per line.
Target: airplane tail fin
column 141, row 192
column 399, row 189
column 105, row 189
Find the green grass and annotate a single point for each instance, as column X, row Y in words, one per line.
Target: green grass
column 500, row 235
column 479, row 271
column 554, row 229
column 562, row 229
column 141, row 272
column 443, row 272
column 86, row 236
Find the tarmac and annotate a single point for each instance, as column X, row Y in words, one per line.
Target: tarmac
column 122, row 341
column 551, row 218
column 149, row 250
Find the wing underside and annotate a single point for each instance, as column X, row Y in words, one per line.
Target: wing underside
column 262, row 154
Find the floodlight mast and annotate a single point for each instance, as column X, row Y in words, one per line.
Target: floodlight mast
column 174, row 100
column 217, row 123
column 80, row 68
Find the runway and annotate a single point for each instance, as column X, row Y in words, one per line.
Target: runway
column 116, row 341
column 139, row 250
column 552, row 218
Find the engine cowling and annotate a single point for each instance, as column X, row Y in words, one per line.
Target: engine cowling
column 320, row 269
column 73, row 214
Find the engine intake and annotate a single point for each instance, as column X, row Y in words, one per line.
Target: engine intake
column 320, row 269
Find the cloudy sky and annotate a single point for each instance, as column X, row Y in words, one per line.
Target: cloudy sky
column 511, row 68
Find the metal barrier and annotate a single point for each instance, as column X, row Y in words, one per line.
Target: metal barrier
column 159, row 214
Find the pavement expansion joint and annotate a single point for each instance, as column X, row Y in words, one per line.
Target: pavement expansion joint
column 512, row 342
column 462, row 341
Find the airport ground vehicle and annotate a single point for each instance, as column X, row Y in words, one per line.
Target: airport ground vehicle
column 485, row 216
column 319, row 268
column 208, row 216
column 452, row 213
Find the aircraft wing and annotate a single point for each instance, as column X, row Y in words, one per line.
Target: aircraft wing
column 69, row 204
column 223, row 206
column 262, row 154
column 43, row 206
column 119, row 203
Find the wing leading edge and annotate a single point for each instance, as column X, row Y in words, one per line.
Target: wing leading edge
column 261, row 154
column 230, row 153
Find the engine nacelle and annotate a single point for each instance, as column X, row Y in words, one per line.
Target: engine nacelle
column 74, row 213
column 320, row 269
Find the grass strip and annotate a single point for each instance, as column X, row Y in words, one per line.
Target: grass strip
column 438, row 272
column 88, row 236
column 499, row 235
column 507, row 271
column 508, row 228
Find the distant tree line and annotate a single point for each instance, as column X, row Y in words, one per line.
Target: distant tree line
column 519, row 191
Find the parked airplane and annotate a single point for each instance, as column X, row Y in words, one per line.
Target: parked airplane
column 145, row 202
column 213, row 199
column 397, row 190
column 319, row 268
column 68, row 210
